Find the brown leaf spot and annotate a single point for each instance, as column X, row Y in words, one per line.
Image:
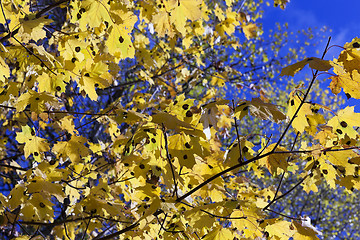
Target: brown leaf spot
column 189, row 113
column 185, row 106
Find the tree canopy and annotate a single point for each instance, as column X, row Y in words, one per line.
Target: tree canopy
column 170, row 119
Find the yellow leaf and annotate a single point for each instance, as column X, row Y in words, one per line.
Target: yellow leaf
column 280, row 229
column 180, row 146
column 250, row 30
column 355, row 43
column 74, row 149
column 275, row 161
column 94, row 13
column 38, row 101
column 220, row 233
column 344, row 122
column 350, row 58
column 314, row 63
column 281, row 3
column 184, row 10
column 31, row 28
column 265, row 111
column 50, row 84
column 304, row 232
column 172, row 122
column 39, row 184
column 33, row 144
column 119, row 41
column 300, row 122
column 38, row 208
column 67, row 123
column 246, row 221
column 162, row 24
column 349, row 81
column 4, row 69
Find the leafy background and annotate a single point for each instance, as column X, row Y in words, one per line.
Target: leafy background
column 102, row 169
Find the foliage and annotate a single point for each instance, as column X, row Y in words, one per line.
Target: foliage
column 116, row 122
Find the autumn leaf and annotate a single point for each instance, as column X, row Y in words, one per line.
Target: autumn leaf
column 32, row 28
column 344, row 122
column 314, row 63
column 117, row 114
column 38, row 101
column 220, row 233
column 184, row 10
column 33, row 145
column 304, row 232
column 74, row 149
column 260, row 109
column 300, row 121
column 275, row 161
column 280, row 229
column 349, row 81
column 250, row 30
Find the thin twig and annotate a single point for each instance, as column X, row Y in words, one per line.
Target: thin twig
column 237, row 133
column 169, row 160
column 115, row 234
column 36, row 56
column 3, row 13
column 302, row 102
column 291, row 189
column 281, row 214
column 282, row 176
column 87, row 226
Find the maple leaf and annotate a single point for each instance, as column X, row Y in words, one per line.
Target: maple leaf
column 33, row 144
column 304, row 231
column 349, row 81
column 94, row 13
column 119, row 41
column 300, row 121
column 32, row 28
column 74, row 149
column 245, row 219
column 38, row 101
column 280, row 229
column 250, row 30
column 39, row 184
column 38, row 207
column 50, row 84
column 281, row 3
column 220, row 233
column 183, row 10
column 314, row 63
column 275, row 161
column 344, row 122
column 180, row 146
column 260, row 109
column 67, row 123
column 172, row 122
column 350, row 59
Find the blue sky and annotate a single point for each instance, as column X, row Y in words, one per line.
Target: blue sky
column 342, row 17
